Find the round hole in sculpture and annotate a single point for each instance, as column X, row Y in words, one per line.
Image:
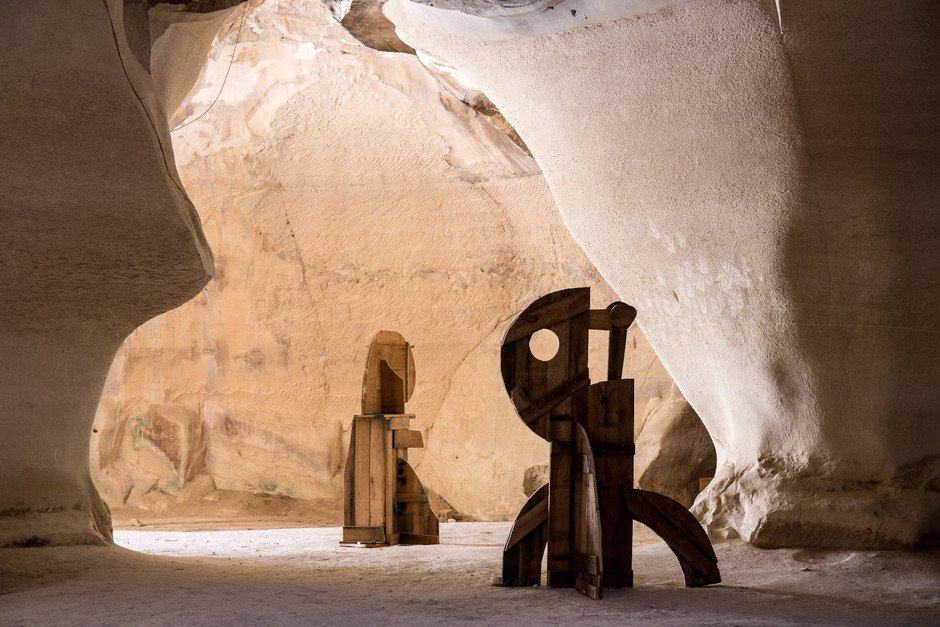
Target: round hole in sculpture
column 544, row 345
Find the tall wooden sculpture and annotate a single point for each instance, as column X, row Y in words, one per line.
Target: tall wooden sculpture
column 385, row 502
column 585, row 512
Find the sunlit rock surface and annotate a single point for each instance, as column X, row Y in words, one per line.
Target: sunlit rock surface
column 96, row 236
column 345, row 190
column 767, row 199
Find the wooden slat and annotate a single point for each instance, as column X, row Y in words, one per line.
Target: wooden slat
column 528, row 521
column 418, row 538
column 411, row 498
column 404, row 438
column 399, row 421
column 417, row 523
column 610, row 431
column 559, row 517
column 587, row 552
column 522, row 555
column 349, row 480
column 551, row 399
column 681, row 531
column 365, row 535
column 361, row 487
column 599, row 320
column 534, row 318
column 377, row 467
column 391, row 488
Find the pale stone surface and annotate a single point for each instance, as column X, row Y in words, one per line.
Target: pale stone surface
column 96, row 236
column 251, row 387
column 293, row 576
column 768, row 203
column 344, row 190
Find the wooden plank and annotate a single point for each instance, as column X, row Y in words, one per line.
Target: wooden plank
column 392, row 390
column 418, row 538
column 377, row 487
column 588, row 561
column 681, row 531
column 559, row 517
column 399, row 421
column 391, row 487
column 610, row 432
column 541, row 315
column 552, row 398
column 411, row 498
column 404, row 438
column 363, row 436
column 599, row 320
column 528, row 521
column 349, row 480
column 522, row 553
column 364, row 535
column 616, row 346
column 417, row 523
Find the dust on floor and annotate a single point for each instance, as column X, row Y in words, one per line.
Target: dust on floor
column 293, row 576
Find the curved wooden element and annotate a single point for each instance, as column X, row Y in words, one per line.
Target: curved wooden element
column 549, row 392
column 550, row 396
column 588, row 561
column 386, row 390
column 681, row 531
column 415, row 521
column 522, row 554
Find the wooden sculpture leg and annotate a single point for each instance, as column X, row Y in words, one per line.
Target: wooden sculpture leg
column 587, row 559
column 684, row 535
column 415, row 521
column 522, row 554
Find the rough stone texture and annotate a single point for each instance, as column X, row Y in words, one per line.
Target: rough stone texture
column 673, row 450
column 288, row 576
column 96, row 236
column 250, row 388
column 344, row 190
column 768, row 202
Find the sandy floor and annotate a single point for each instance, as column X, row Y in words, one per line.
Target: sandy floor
column 290, row 576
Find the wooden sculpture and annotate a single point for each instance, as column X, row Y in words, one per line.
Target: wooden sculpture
column 586, row 511
column 385, row 502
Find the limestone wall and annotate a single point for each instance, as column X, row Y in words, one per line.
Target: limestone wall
column 344, row 190
column 759, row 179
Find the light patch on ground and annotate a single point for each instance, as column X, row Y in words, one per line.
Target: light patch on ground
column 291, row 576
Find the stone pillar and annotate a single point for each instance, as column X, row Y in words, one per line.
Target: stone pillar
column 96, row 236
column 759, row 179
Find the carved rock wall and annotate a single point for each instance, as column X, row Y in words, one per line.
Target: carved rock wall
column 345, row 190
column 96, row 236
column 767, row 199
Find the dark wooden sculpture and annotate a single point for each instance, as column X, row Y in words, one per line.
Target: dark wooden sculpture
column 586, row 511
column 385, row 502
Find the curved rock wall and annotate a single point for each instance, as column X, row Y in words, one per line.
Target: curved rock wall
column 344, row 190
column 96, row 236
column 767, row 201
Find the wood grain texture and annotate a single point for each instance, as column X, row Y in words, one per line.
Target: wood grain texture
column 522, row 554
column 681, row 531
column 389, row 347
column 609, row 429
column 417, row 523
column 587, row 547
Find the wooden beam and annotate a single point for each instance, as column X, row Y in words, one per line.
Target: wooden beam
column 406, row 438
column 527, row 522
